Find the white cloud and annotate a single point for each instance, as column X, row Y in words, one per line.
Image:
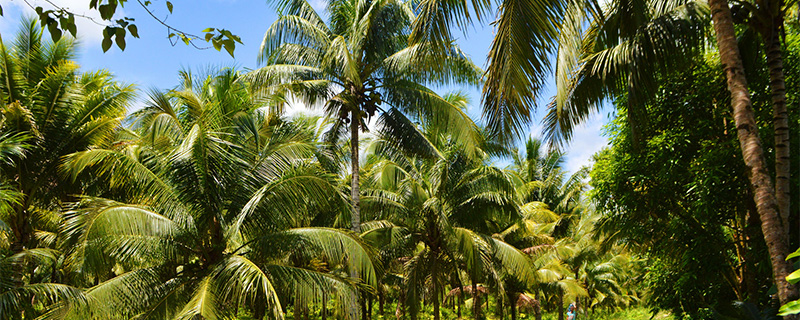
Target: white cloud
column 90, row 30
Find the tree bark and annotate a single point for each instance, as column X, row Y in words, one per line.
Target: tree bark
column 324, row 310
column 436, row 315
column 560, row 305
column 777, row 85
column 752, row 151
column 476, row 301
column 355, row 195
column 513, row 304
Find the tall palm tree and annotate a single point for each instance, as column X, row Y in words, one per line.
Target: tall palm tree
column 767, row 18
column 665, row 31
column 752, row 151
column 61, row 110
column 437, row 206
column 203, row 209
column 357, row 64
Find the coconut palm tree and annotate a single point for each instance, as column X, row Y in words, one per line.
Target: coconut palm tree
column 61, row 110
column 357, row 64
column 437, row 206
column 752, row 151
column 614, row 55
column 203, row 209
column 667, row 32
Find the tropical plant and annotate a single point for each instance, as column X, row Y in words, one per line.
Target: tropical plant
column 203, row 209
column 358, row 64
column 435, row 205
column 752, row 152
column 60, row 111
column 607, row 62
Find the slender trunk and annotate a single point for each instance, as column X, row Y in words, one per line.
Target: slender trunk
column 460, row 301
column 537, row 311
column 752, row 151
column 381, row 299
column 560, row 305
column 364, row 311
column 355, row 195
column 324, row 310
column 513, row 305
column 476, row 301
column 370, row 303
column 777, row 85
column 398, row 311
column 436, row 301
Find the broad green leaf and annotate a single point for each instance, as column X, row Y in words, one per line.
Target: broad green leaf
column 793, row 307
column 794, row 277
column 134, row 30
column 106, row 44
column 794, row 255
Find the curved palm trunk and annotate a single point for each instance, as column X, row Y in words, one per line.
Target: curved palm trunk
column 777, row 85
column 355, row 195
column 752, row 151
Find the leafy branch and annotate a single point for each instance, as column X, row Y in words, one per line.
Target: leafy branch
column 59, row 20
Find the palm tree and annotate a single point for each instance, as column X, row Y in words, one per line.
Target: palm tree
column 665, row 31
column 203, row 209
column 752, row 151
column 358, row 64
column 437, row 206
column 614, row 55
column 767, row 18
column 543, row 186
column 61, row 111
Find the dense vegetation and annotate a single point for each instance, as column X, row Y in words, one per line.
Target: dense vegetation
column 210, row 203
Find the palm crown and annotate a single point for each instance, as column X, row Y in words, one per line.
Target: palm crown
column 203, row 212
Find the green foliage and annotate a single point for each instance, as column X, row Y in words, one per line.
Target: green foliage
column 60, row 19
column 792, row 307
column 681, row 198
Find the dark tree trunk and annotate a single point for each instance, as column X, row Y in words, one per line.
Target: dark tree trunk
column 460, row 301
column 752, row 151
column 560, row 305
column 355, row 195
column 324, row 311
column 777, row 85
column 381, row 300
column 476, row 301
column 513, row 305
column 364, row 311
column 436, row 315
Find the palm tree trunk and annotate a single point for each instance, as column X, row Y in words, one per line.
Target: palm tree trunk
column 777, row 85
column 355, row 195
column 476, row 303
column 436, row 315
column 324, row 310
column 752, row 151
column 381, row 300
column 560, row 305
column 513, row 305
column 460, row 301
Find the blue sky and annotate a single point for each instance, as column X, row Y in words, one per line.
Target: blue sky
column 152, row 61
